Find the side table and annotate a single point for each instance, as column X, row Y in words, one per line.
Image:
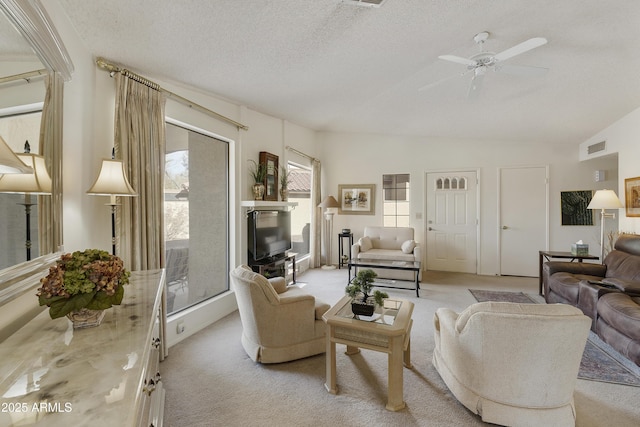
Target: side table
column 349, row 237
column 547, row 255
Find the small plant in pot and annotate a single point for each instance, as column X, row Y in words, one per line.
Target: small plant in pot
column 364, row 301
column 258, row 172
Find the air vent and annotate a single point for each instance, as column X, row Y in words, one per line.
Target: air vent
column 595, row 148
column 366, row 3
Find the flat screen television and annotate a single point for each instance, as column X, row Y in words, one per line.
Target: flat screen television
column 269, row 234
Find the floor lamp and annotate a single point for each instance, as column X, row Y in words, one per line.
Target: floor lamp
column 604, row 199
column 36, row 182
column 330, row 205
column 112, row 181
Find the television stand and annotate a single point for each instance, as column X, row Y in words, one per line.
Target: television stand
column 284, row 266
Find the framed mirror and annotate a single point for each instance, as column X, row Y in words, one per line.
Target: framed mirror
column 35, row 65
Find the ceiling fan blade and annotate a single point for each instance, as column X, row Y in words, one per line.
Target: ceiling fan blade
column 521, row 70
column 436, row 83
column 459, row 60
column 476, row 85
column 520, row 48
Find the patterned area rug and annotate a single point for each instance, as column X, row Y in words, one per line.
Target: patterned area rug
column 600, row 362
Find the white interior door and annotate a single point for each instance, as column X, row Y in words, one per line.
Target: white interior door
column 524, row 217
column 452, row 221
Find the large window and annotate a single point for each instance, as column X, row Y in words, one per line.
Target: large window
column 300, row 192
column 196, row 217
column 395, row 193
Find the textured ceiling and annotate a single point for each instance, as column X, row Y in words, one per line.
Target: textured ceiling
column 335, row 66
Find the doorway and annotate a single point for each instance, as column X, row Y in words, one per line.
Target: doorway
column 452, row 221
column 523, row 223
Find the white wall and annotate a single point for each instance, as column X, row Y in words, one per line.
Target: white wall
column 363, row 159
column 623, row 138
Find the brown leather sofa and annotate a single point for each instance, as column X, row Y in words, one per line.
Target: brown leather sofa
column 609, row 293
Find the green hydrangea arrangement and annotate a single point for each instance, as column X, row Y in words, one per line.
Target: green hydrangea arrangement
column 91, row 279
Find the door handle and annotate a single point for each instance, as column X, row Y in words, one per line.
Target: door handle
column 504, row 227
column 429, row 229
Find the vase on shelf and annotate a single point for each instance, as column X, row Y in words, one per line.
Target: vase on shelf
column 85, row 318
column 284, row 194
column 258, row 191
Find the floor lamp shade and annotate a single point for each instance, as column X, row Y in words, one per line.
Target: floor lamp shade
column 10, row 162
column 604, row 199
column 112, row 180
column 36, row 182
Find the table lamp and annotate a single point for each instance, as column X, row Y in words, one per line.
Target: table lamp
column 604, row 199
column 9, row 161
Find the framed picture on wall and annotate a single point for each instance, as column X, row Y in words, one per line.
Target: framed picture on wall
column 632, row 196
column 271, row 178
column 357, row 199
column 573, row 205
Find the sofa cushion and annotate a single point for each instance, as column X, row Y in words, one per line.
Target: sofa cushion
column 388, row 237
column 408, row 246
column 386, row 254
column 566, row 285
column 365, row 244
column 621, row 265
column 622, row 312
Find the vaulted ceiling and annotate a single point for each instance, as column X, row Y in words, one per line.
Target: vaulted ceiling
column 334, row 66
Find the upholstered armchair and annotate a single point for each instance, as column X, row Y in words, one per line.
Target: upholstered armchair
column 512, row 364
column 279, row 322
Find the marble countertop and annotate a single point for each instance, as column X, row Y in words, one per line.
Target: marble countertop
column 53, row 375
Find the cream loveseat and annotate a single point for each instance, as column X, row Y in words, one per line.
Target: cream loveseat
column 512, row 364
column 279, row 322
column 388, row 244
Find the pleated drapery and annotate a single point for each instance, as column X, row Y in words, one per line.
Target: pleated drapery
column 50, row 147
column 140, row 144
column 316, row 216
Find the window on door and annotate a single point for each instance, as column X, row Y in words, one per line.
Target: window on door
column 395, row 194
column 196, row 206
column 300, row 192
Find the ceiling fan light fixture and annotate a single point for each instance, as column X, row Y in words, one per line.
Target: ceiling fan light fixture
column 365, row 3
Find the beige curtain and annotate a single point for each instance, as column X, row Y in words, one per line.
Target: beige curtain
column 140, row 144
column 50, row 147
column 316, row 217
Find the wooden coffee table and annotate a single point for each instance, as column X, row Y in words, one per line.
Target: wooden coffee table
column 388, row 332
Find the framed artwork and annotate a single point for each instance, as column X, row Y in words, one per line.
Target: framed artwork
column 632, row 196
column 357, row 199
column 573, row 205
column 271, row 177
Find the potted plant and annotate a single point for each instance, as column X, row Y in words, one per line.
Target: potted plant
column 359, row 289
column 258, row 172
column 284, row 183
column 82, row 284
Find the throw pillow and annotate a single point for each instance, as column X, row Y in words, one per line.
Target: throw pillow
column 408, row 246
column 365, row 244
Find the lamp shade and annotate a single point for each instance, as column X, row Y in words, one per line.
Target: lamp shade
column 112, row 180
column 9, row 161
column 37, row 182
column 329, row 202
column 605, row 199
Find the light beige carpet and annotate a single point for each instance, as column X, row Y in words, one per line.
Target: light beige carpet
column 210, row 381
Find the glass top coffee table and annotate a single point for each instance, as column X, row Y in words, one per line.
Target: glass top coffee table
column 389, row 265
column 387, row 331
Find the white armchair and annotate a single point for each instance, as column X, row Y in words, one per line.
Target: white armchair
column 279, row 322
column 512, row 364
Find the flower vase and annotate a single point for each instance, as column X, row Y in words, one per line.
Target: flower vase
column 258, row 191
column 284, row 194
column 85, row 318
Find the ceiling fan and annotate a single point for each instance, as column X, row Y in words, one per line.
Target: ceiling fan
column 480, row 63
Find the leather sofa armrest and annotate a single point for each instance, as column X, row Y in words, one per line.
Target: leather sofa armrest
column 630, row 287
column 590, row 269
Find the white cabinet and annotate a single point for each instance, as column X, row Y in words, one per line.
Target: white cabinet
column 53, row 375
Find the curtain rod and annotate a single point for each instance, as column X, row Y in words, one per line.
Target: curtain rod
column 102, row 63
column 24, row 76
column 300, row 153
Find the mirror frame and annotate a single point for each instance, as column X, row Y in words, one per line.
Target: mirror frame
column 32, row 21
